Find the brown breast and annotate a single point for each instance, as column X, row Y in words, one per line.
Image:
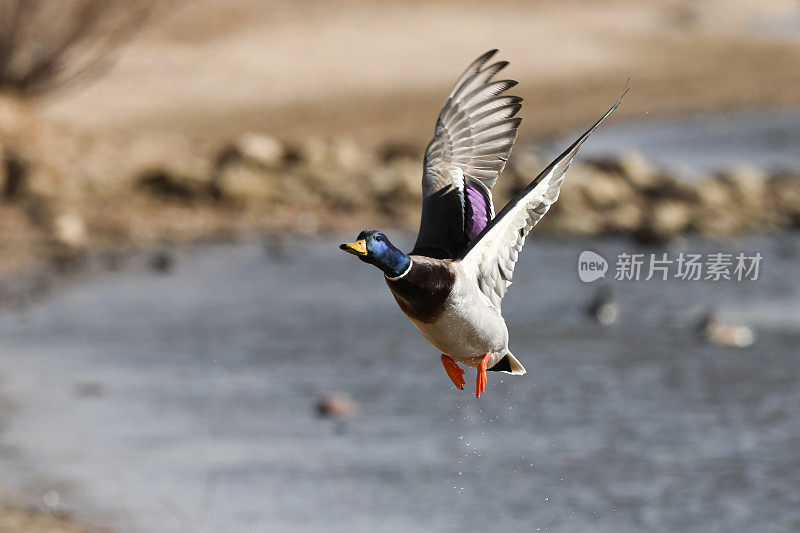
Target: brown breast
column 422, row 292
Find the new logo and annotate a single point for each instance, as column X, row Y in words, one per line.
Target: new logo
column 591, row 266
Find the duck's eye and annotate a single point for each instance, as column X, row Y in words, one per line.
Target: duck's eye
column 378, row 239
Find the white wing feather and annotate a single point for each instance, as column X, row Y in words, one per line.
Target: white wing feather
column 476, row 127
column 491, row 259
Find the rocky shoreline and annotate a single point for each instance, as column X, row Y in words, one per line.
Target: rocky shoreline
column 615, row 195
column 65, row 193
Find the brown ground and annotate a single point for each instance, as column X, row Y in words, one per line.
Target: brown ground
column 19, row 520
column 379, row 71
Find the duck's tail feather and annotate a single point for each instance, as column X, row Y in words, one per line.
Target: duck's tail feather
column 508, row 364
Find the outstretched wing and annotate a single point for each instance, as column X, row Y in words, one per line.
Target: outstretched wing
column 491, row 259
column 472, row 141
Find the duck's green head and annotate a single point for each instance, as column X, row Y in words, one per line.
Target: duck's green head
column 374, row 248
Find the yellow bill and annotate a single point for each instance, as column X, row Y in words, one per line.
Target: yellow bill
column 356, row 248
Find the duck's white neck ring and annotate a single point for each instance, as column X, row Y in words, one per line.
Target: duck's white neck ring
column 410, row 264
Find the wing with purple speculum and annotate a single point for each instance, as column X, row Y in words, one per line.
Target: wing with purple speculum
column 477, row 210
column 474, row 135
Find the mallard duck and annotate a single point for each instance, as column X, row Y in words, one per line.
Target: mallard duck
column 452, row 283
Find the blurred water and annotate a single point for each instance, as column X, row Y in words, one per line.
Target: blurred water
column 184, row 402
column 694, row 145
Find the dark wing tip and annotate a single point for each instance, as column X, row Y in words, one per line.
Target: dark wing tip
column 605, row 116
column 500, row 65
column 486, row 56
column 504, row 85
column 569, row 152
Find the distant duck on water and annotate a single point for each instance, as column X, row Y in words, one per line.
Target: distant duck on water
column 452, row 283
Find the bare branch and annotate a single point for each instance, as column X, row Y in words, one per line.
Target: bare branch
column 46, row 44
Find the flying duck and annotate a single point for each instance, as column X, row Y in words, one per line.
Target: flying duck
column 452, row 283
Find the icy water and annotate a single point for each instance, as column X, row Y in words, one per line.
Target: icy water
column 185, row 401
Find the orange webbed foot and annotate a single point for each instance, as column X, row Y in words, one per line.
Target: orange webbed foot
column 480, row 380
column 454, row 372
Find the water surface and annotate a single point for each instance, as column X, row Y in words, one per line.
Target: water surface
column 184, row 402
column 693, row 145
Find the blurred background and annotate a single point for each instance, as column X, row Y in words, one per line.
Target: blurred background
column 184, row 348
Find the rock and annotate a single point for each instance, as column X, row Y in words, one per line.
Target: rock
column 261, row 150
column 715, row 330
column 783, row 190
column 341, row 154
column 188, row 180
column 66, row 261
column 747, row 188
column 605, row 191
column 347, row 155
column 41, row 212
column 398, row 150
column 398, row 175
column 525, row 165
column 732, row 203
column 336, row 405
column 603, row 307
column 397, row 186
column 625, row 218
column 747, row 183
column 667, row 187
column 253, row 149
column 713, row 193
column 22, row 179
column 715, row 215
column 573, row 214
column 571, row 218
column 68, row 242
column 162, row 262
column 312, row 153
column 671, row 216
column 664, row 221
column 343, row 191
column 634, row 167
column 242, row 184
column 14, row 174
column 69, row 230
column 18, row 118
column 43, row 181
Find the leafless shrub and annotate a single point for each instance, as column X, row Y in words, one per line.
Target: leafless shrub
column 46, row 44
